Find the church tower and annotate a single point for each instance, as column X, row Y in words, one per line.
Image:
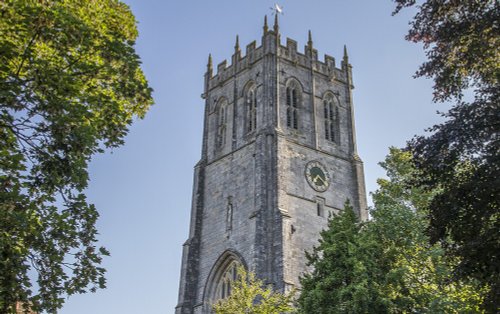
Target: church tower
column 279, row 155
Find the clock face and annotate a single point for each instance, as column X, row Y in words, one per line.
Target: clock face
column 317, row 176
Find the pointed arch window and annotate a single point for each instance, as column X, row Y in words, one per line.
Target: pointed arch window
column 221, row 125
column 251, row 109
column 225, row 283
column 220, row 282
column 293, row 98
column 330, row 117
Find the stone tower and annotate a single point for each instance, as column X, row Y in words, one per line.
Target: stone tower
column 279, row 155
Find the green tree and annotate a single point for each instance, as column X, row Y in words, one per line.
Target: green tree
column 461, row 155
column 249, row 295
column 70, row 85
column 385, row 265
column 418, row 276
column 347, row 270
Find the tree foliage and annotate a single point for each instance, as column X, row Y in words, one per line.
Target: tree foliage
column 385, row 265
column 346, row 270
column 70, row 85
column 419, row 275
column 461, row 156
column 249, row 295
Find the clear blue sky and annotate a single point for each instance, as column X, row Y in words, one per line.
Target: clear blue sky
column 143, row 189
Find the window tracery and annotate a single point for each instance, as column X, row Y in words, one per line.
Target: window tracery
column 221, row 125
column 293, row 98
column 224, row 286
column 251, row 109
column 331, row 119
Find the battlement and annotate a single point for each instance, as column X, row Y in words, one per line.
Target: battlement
column 271, row 44
column 224, row 72
column 309, row 58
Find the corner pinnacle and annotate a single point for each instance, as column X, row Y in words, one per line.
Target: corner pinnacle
column 265, row 24
column 237, row 45
column 209, row 64
column 346, row 57
column 276, row 25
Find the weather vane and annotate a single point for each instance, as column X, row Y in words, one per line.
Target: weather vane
column 277, row 9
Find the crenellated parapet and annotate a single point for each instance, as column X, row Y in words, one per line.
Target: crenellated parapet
column 309, row 59
column 271, row 44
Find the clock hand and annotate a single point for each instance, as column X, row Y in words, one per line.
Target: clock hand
column 321, row 179
column 318, row 177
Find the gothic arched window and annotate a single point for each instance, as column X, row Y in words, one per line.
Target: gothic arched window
column 251, row 109
column 221, row 125
column 293, row 98
column 220, row 281
column 328, row 113
column 331, row 118
column 224, row 285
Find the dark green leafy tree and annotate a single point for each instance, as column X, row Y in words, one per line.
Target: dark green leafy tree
column 461, row 156
column 346, row 270
column 418, row 276
column 385, row 265
column 70, row 85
